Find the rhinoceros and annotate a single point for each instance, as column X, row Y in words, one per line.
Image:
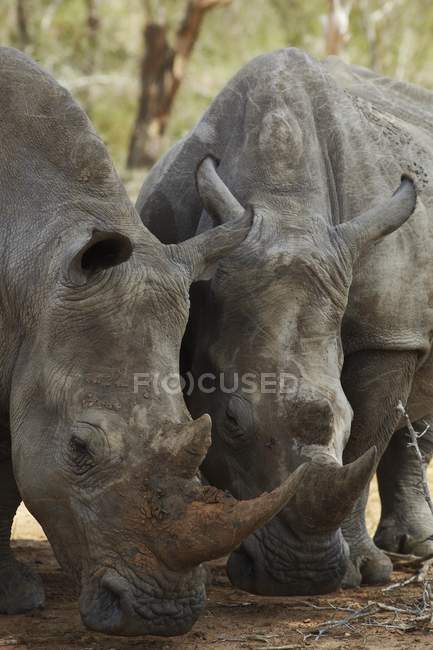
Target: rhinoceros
column 331, row 291
column 91, row 300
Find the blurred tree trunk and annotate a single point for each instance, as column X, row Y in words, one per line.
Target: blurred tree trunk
column 93, row 23
column 373, row 21
column 161, row 73
column 22, row 24
column 336, row 25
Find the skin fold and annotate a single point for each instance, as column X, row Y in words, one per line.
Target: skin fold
column 314, row 153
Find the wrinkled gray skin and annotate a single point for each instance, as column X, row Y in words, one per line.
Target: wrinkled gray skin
column 88, row 298
column 316, row 151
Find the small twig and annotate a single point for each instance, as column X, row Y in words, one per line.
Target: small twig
column 402, row 583
column 235, row 605
column 328, row 625
column 404, row 559
column 328, row 607
column 414, row 436
column 423, row 572
column 291, row 646
column 421, row 564
column 404, row 627
column 391, row 608
column 428, row 601
column 262, row 638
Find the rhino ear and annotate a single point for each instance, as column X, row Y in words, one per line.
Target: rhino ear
column 102, row 250
column 200, row 254
column 380, row 220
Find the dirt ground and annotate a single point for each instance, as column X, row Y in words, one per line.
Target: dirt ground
column 233, row 619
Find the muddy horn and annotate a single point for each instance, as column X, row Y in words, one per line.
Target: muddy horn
column 214, row 523
column 329, row 490
column 186, row 445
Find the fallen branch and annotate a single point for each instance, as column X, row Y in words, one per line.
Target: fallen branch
column 283, row 647
column 316, row 634
column 401, row 559
column 401, row 583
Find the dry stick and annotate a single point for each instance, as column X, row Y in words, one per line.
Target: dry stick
column 263, row 638
column 404, row 559
column 283, row 647
column 413, row 560
column 368, row 610
column 402, row 583
column 422, row 574
column 414, row 443
column 391, row 608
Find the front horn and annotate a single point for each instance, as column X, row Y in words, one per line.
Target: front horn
column 213, row 523
column 330, row 490
column 185, row 444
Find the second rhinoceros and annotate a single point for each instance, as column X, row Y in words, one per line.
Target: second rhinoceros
column 332, row 288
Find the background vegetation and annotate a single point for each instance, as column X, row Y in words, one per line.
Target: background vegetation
column 96, row 47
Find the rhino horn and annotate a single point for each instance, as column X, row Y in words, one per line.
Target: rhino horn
column 215, row 195
column 380, row 220
column 214, row 523
column 330, row 490
column 200, row 253
column 189, row 445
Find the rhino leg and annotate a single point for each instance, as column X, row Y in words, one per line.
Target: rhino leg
column 20, row 589
column 406, row 523
column 374, row 382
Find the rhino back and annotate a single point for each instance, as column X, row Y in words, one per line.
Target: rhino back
column 401, row 99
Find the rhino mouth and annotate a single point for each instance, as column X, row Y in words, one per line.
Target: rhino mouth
column 112, row 605
column 269, row 563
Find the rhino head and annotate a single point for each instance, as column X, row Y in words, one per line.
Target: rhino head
column 90, row 300
column 267, row 328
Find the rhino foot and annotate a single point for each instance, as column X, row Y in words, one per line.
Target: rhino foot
column 21, row 589
column 367, row 565
column 406, row 523
column 400, row 537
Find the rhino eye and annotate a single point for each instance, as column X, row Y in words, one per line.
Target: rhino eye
column 80, row 454
column 238, row 423
column 232, row 420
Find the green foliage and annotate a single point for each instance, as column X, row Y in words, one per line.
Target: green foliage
column 393, row 36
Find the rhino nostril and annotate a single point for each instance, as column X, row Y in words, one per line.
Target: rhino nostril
column 118, row 591
column 314, row 416
column 323, row 408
